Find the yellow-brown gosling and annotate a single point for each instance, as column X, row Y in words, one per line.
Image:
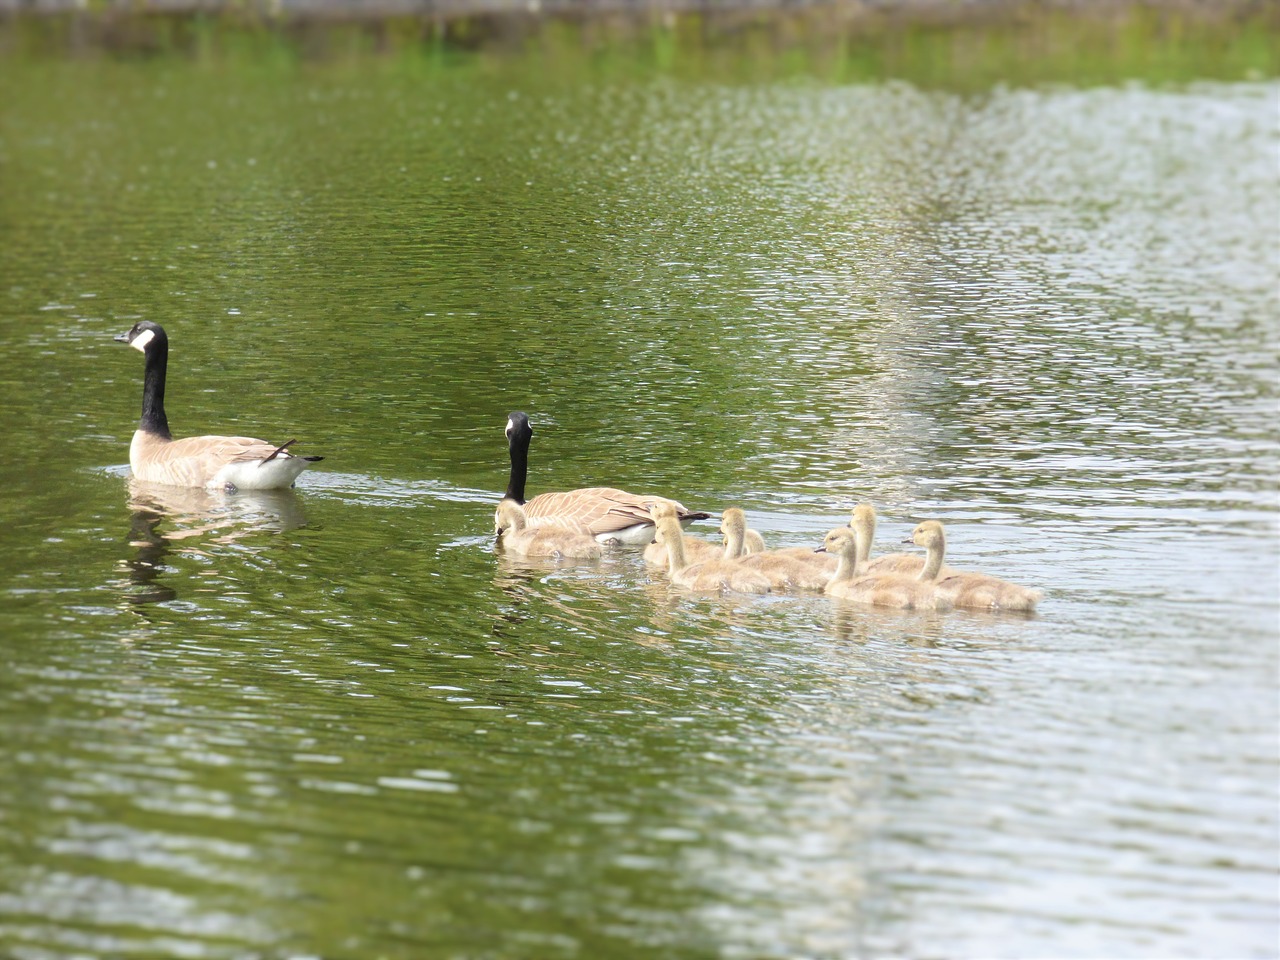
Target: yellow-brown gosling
column 517, row 537
column 971, row 591
column 896, row 590
column 716, row 574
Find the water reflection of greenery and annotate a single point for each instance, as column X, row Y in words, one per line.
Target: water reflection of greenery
column 196, row 522
column 943, row 45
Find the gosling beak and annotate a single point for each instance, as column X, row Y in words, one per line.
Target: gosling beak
column 821, row 549
column 908, row 540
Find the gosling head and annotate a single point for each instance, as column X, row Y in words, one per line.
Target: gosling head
column 864, row 517
column 668, row 528
column 733, row 520
column 660, row 508
column 508, row 516
column 142, row 335
column 928, row 534
column 841, row 541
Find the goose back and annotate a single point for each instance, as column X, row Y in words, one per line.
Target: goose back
column 606, row 513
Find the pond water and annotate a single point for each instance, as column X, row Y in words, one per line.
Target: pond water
column 333, row 722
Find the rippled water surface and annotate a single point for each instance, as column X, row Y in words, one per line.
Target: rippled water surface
column 333, row 722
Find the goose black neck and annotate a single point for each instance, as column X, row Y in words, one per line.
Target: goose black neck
column 518, row 441
column 153, row 418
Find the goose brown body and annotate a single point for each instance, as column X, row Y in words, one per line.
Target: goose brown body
column 606, row 513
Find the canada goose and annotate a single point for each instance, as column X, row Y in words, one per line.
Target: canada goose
column 741, row 541
column 608, row 514
column 696, row 550
column 545, row 541
column 881, row 590
column 231, row 463
column 972, row 591
column 784, row 570
column 752, row 542
column 864, row 521
column 710, row 574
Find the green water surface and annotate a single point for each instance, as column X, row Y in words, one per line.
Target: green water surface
column 335, row 723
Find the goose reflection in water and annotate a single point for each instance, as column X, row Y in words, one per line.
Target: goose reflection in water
column 196, row 522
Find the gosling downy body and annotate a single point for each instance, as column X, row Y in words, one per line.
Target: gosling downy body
column 696, row 550
column 228, row 463
column 785, row 571
column 718, row 574
column 515, row 536
column 970, row 591
column 606, row 513
column 896, row 590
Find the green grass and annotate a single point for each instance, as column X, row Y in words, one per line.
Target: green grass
column 1005, row 44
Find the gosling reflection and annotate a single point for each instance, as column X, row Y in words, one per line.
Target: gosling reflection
column 190, row 519
column 858, row 625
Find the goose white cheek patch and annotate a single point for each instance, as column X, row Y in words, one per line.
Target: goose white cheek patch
column 141, row 340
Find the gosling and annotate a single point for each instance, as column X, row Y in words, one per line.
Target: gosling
column 696, row 550
column 970, row 591
column 881, row 590
column 716, row 574
column 517, row 537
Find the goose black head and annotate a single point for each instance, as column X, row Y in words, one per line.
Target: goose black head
column 518, row 425
column 142, row 335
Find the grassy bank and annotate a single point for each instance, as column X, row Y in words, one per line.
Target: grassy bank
column 927, row 42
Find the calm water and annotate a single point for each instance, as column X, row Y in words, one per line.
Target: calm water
column 333, row 723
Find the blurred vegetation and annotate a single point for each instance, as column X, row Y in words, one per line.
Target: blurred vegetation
column 971, row 46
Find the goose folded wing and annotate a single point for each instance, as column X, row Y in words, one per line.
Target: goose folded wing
column 194, row 460
column 593, row 510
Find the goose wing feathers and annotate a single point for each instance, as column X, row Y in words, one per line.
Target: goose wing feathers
column 598, row 510
column 195, row 461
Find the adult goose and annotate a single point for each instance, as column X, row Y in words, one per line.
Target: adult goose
column 606, row 513
column 230, row 463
